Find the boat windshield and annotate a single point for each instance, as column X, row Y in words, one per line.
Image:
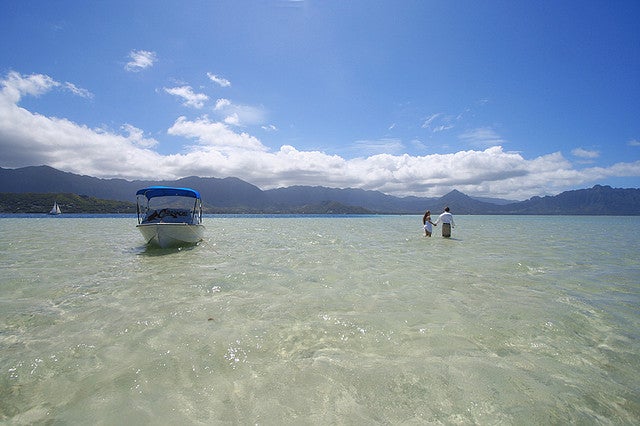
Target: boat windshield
column 169, row 209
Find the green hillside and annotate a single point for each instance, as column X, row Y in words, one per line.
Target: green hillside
column 69, row 203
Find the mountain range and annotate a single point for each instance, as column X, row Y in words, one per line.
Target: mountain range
column 233, row 195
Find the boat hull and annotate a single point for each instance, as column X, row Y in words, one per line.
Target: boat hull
column 166, row 235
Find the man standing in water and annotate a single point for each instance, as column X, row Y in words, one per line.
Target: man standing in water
column 447, row 222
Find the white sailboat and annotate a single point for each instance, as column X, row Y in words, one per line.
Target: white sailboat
column 55, row 210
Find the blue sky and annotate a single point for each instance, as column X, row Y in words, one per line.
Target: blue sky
column 500, row 98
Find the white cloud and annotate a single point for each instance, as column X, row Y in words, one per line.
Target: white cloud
column 634, row 142
column 189, row 97
column 239, row 115
column 439, row 122
column 583, row 153
column 136, row 137
column 215, row 134
column 442, row 128
column 481, row 137
column 140, row 60
column 221, row 104
column 232, row 119
column 222, row 82
column 32, row 139
column 217, row 149
column 383, row 145
column 78, row 91
column 429, row 120
column 17, row 86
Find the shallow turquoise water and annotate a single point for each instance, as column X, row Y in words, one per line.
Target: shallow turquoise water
column 321, row 320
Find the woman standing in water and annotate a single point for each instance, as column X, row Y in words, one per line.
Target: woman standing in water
column 426, row 221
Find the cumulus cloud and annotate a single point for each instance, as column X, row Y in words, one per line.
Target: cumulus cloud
column 28, row 138
column 140, row 60
column 221, row 104
column 222, row 82
column 233, row 119
column 209, row 133
column 136, row 137
column 634, row 142
column 15, row 86
column 215, row 148
column 188, row 96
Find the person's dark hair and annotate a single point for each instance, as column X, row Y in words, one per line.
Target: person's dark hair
column 446, row 209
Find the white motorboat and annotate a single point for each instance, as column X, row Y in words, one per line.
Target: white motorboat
column 170, row 217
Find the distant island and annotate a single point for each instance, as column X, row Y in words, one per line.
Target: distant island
column 34, row 189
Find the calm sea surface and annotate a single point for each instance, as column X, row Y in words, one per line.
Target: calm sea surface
column 322, row 320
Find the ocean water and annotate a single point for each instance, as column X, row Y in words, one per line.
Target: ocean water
column 321, row 320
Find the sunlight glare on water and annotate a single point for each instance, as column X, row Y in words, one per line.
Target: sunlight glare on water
column 321, row 320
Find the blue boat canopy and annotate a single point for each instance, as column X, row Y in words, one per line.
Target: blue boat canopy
column 167, row 191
